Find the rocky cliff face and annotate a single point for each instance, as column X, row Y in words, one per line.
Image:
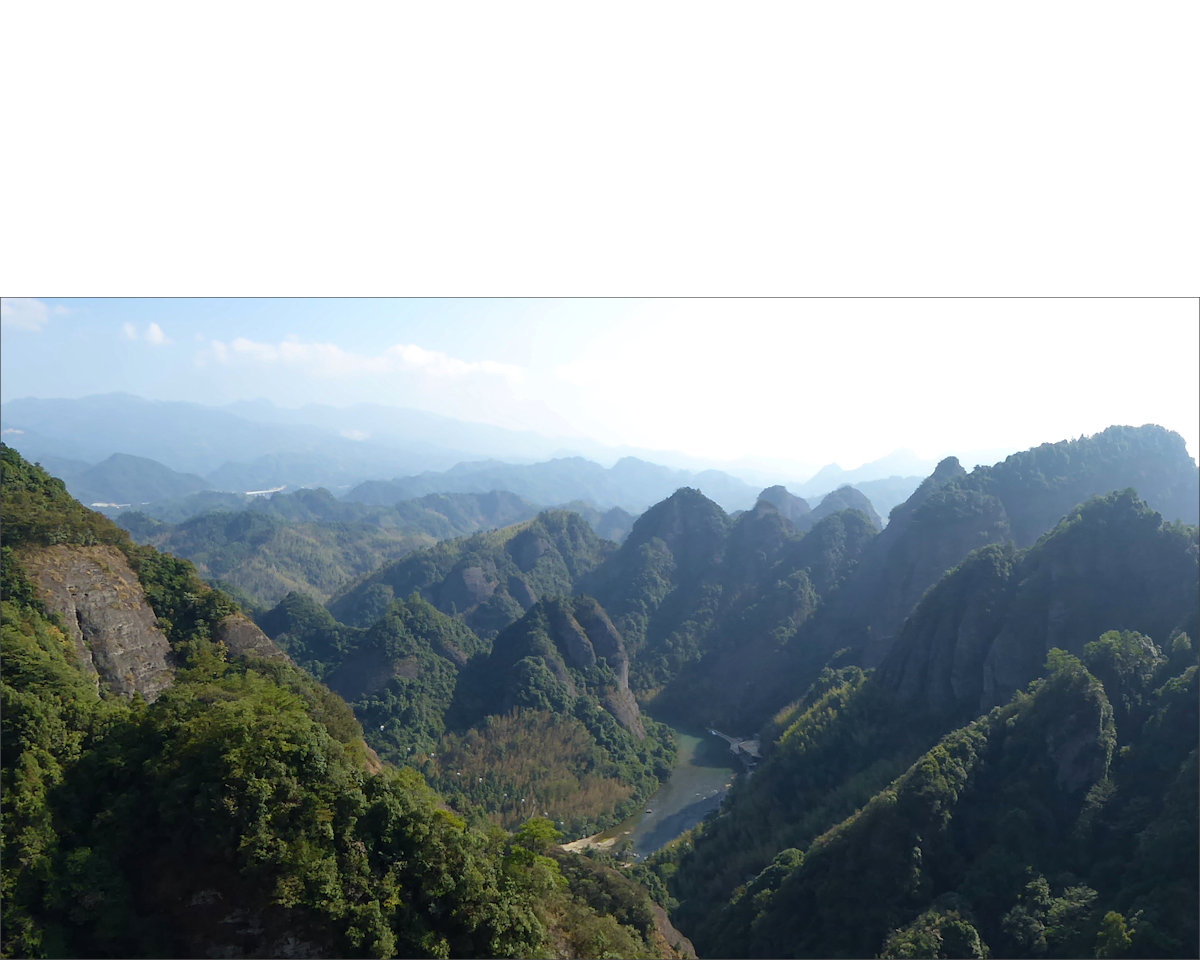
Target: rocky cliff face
column 1080, row 744
column 105, row 611
column 585, row 633
column 571, row 637
column 242, row 637
column 604, row 637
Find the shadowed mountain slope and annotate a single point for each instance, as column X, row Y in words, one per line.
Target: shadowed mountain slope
column 953, row 513
column 1113, row 585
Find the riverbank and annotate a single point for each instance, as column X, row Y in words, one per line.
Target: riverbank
column 598, row 841
column 702, row 775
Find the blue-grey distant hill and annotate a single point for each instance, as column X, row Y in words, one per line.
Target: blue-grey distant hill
column 126, row 479
column 899, row 463
column 630, row 483
column 257, row 446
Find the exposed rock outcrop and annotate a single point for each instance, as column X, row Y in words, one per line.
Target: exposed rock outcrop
column 242, row 637
column 467, row 587
column 622, row 705
column 1077, row 745
column 570, row 637
column 526, row 548
column 603, row 636
column 669, row 940
column 590, row 635
column 368, row 670
column 520, row 591
column 105, row 611
column 574, row 639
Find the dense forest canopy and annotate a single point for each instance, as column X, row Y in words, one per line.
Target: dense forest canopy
column 978, row 725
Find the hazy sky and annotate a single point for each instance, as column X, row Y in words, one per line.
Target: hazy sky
column 808, row 381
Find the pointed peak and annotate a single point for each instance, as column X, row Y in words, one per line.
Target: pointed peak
column 948, row 469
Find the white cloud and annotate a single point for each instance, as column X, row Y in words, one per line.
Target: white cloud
column 23, row 313
column 331, row 361
column 154, row 334
column 355, row 434
column 295, row 371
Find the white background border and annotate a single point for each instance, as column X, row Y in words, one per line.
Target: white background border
column 943, row 148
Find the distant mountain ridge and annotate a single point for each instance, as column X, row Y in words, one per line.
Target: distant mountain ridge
column 196, row 438
column 630, row 484
column 256, row 445
column 898, row 463
column 130, row 480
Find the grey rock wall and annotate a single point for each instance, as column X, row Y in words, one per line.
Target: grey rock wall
column 105, row 611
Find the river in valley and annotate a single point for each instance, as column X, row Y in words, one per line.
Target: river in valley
column 703, row 772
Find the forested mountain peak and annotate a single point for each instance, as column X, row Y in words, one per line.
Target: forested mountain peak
column 1008, row 835
column 919, row 843
column 563, row 647
column 264, row 547
column 947, row 470
column 952, row 513
column 846, row 498
column 984, row 631
column 490, row 579
column 789, row 505
column 1040, row 485
column 688, row 522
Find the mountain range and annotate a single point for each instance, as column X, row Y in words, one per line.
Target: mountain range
column 379, row 454
column 173, row 785
column 977, row 723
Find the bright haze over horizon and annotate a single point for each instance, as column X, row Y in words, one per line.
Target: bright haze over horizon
column 768, row 384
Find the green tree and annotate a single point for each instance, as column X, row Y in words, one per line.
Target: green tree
column 1114, row 938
